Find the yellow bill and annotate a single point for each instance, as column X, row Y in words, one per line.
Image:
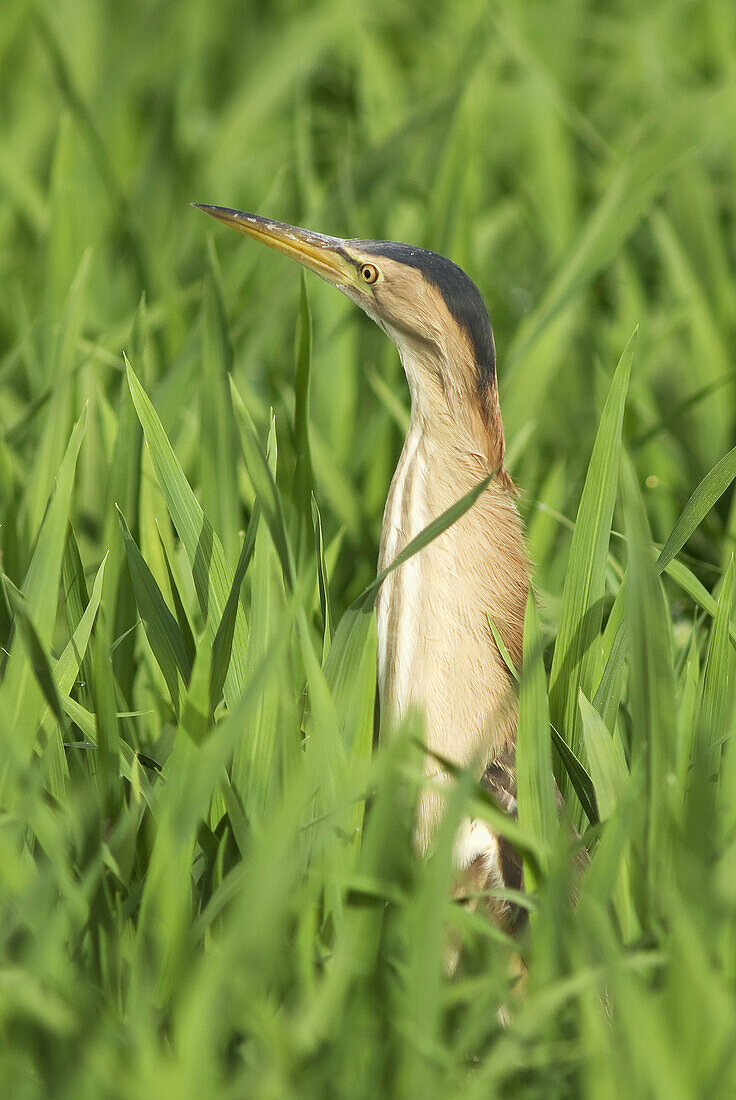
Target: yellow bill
column 323, row 255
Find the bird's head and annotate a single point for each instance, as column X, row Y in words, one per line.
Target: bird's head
column 424, row 302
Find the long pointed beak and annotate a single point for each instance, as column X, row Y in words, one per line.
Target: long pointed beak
column 321, row 254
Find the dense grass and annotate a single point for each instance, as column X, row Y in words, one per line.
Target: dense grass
column 194, row 901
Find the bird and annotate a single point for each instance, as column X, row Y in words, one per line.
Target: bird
column 437, row 654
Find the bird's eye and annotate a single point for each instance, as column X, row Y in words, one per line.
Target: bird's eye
column 369, row 273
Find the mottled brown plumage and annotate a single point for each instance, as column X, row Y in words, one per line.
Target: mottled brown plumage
column 436, row 651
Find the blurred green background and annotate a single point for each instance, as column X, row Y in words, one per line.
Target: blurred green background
column 578, row 160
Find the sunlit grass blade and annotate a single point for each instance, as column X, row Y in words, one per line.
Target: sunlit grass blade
column 37, row 656
column 432, row 531
column 606, row 760
column 123, row 490
column 609, row 877
column 128, row 760
column 256, row 766
column 266, row 491
column 651, row 685
column 578, row 776
column 218, row 460
column 213, row 576
column 303, row 473
column 108, row 730
column 714, row 724
column 76, row 599
column 581, row 615
column 72, row 659
column 687, row 725
column 350, row 670
column 197, row 712
column 182, row 617
column 222, row 644
column 162, row 629
column 257, row 763
column 58, row 418
column 41, row 593
column 613, row 649
column 534, row 777
column 710, row 489
column 501, row 645
column 696, row 590
column 322, row 580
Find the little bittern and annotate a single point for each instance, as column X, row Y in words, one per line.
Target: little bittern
column 436, row 650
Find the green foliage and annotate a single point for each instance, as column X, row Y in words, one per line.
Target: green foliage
column 207, row 880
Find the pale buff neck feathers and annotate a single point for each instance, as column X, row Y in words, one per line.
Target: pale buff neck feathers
column 437, row 654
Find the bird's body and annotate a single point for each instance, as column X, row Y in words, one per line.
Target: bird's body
column 436, row 650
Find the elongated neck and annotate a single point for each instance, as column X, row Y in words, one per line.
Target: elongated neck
column 453, row 410
column 436, row 648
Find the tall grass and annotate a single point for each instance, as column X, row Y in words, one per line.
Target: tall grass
column 206, row 878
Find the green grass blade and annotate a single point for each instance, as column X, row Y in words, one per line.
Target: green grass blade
column 59, row 411
column 576, row 772
column 87, row 723
column 65, row 672
column 350, row 671
column 585, row 581
column 432, row 531
column 197, row 714
column 714, row 723
column 218, row 460
column 41, row 585
column 123, row 490
column 162, row 629
column 501, row 645
column 710, row 489
column 323, row 581
column 613, row 648
column 76, row 599
column 41, row 594
column 108, row 731
column 258, row 763
column 72, row 660
column 606, row 760
column 185, row 626
column 697, row 591
column 213, row 576
column 303, row 473
column 264, row 485
column 609, row 876
column 534, row 777
column 39, row 659
column 222, row 645
column 651, row 677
